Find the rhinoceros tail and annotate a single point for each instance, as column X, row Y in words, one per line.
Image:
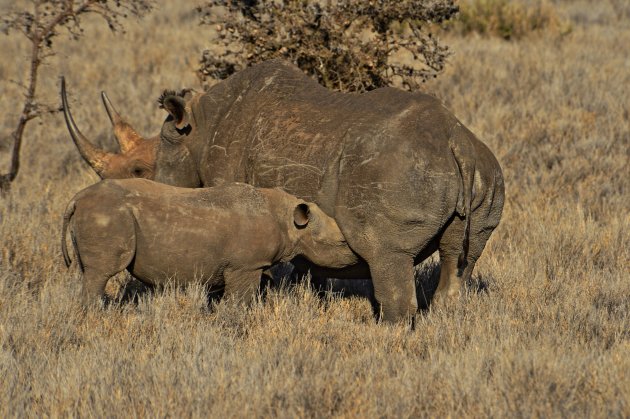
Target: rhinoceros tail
column 67, row 215
column 464, row 154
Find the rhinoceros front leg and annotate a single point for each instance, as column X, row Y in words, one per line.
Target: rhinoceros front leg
column 242, row 285
column 394, row 287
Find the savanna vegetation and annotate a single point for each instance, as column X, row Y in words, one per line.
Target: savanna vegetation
column 543, row 330
column 345, row 45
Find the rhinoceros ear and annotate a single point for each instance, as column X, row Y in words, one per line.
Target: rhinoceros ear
column 301, row 215
column 176, row 107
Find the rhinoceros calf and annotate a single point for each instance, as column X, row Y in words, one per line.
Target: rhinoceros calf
column 221, row 235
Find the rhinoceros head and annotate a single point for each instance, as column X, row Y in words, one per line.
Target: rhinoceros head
column 137, row 154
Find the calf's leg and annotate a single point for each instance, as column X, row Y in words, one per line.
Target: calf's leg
column 103, row 250
column 242, row 285
column 96, row 275
column 93, row 289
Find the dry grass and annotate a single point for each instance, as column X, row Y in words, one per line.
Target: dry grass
column 508, row 19
column 549, row 337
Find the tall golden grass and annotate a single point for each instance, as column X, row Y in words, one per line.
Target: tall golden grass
column 508, row 19
column 548, row 336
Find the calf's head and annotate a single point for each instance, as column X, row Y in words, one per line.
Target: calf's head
column 137, row 154
column 317, row 237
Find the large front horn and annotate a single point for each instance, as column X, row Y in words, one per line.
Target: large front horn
column 127, row 137
column 95, row 157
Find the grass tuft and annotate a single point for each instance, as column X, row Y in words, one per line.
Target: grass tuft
column 509, row 19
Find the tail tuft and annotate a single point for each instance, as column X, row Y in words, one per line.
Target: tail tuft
column 464, row 154
column 462, row 260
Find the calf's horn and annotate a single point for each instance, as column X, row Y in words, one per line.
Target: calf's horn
column 127, row 137
column 95, row 157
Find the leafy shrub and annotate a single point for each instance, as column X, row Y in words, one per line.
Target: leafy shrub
column 344, row 44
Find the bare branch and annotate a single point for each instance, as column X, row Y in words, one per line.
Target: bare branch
column 40, row 26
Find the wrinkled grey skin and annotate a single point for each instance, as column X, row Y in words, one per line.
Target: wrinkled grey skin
column 223, row 235
column 397, row 171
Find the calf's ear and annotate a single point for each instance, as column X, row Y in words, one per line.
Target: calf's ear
column 176, row 107
column 301, row 215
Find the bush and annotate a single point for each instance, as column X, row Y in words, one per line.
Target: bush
column 346, row 45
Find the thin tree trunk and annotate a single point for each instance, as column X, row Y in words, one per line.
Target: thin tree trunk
column 27, row 115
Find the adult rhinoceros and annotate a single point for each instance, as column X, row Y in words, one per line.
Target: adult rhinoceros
column 397, row 171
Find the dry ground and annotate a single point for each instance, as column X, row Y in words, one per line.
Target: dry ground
column 549, row 336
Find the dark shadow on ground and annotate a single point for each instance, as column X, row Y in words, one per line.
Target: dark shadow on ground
column 427, row 276
column 133, row 291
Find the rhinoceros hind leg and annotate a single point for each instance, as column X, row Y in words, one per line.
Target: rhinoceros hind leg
column 105, row 247
column 394, row 287
column 451, row 279
column 242, row 285
column 452, row 276
column 95, row 276
column 101, row 262
column 93, row 290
